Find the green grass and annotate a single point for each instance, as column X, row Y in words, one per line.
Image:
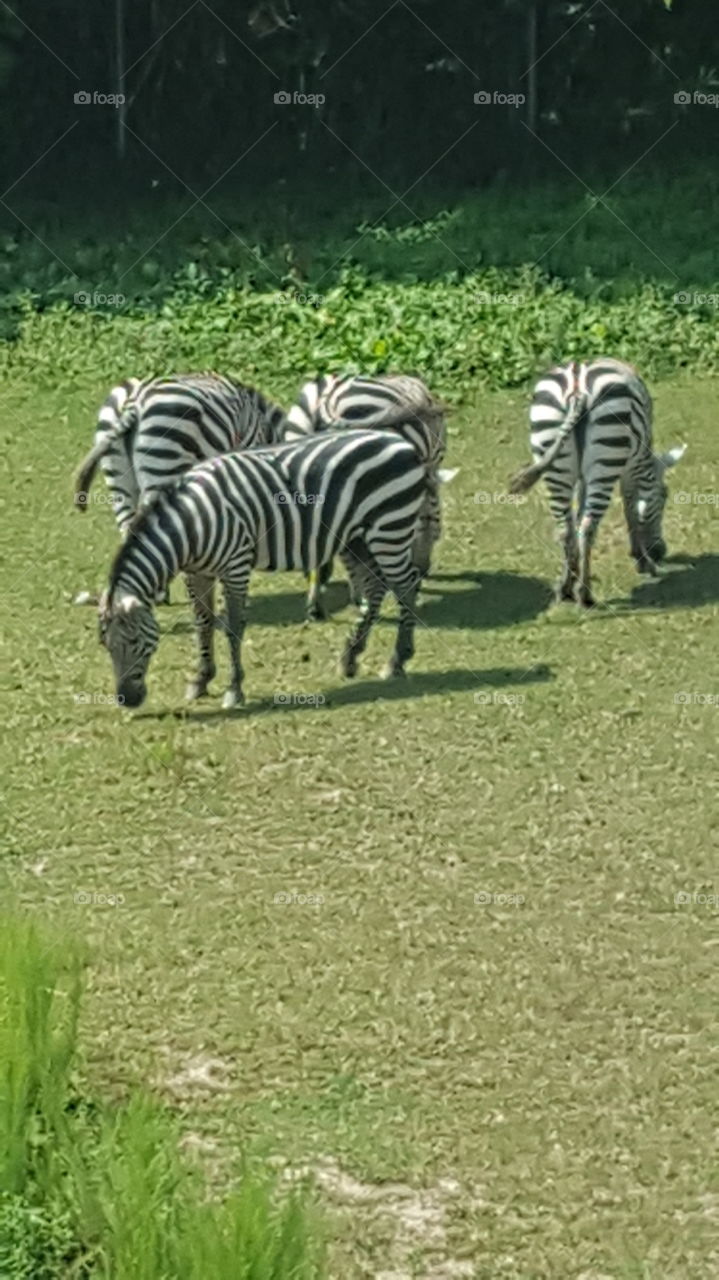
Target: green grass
column 88, row 1190
column 537, row 1078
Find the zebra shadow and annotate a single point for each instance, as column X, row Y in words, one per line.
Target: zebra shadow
column 493, row 599
column 417, row 684
column 690, row 581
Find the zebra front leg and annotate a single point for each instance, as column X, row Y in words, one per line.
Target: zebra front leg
column 236, row 603
column 201, row 590
column 405, row 591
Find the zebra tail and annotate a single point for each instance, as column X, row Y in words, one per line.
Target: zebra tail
column 86, row 472
column 528, row 476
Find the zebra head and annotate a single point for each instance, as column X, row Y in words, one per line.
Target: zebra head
column 645, row 515
column 129, row 632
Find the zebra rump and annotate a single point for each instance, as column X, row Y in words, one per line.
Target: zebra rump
column 591, row 426
column 287, row 507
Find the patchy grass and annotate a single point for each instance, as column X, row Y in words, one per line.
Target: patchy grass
column 497, row 1089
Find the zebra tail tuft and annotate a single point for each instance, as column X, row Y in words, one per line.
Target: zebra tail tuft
column 526, row 478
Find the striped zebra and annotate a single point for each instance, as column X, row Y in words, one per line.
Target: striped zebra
column 282, row 507
column 150, row 432
column 381, row 402
column 591, row 425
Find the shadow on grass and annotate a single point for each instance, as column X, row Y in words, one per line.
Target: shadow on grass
column 688, row 583
column 416, row 685
column 493, row 600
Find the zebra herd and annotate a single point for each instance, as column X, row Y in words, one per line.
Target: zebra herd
column 210, row 478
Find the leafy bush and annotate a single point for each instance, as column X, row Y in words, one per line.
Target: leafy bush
column 489, row 329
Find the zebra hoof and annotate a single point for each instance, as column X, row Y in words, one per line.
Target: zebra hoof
column 348, row 666
column 393, row 669
column 231, row 699
column 315, row 613
column 194, row 690
column 586, row 600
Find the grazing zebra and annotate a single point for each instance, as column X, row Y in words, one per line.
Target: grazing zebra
column 385, row 401
column 149, row 432
column 591, row 425
column 282, row 507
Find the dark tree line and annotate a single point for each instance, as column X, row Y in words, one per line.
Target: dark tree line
column 597, row 80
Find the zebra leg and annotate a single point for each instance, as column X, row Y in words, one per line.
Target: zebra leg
column 201, row 591
column 365, row 576
column 404, row 588
column 236, row 604
column 315, row 609
column 595, row 498
column 560, row 505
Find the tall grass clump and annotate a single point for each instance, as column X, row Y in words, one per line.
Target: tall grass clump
column 102, row 1192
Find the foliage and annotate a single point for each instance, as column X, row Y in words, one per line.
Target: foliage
column 108, row 1190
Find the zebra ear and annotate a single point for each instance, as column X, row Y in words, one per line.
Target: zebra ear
column 446, row 475
column 672, row 456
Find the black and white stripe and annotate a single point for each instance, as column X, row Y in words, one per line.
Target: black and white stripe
column 400, row 402
column 293, row 506
column 591, row 425
column 150, row 432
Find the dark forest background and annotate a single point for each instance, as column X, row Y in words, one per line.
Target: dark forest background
column 398, row 80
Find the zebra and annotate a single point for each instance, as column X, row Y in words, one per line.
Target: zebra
column 591, row 425
column 150, row 431
column 389, row 400
column 281, row 507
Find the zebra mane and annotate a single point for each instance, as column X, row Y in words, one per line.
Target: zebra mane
column 140, row 521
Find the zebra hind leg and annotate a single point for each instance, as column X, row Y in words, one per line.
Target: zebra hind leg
column 587, row 534
column 236, row 602
column 201, row 591
column 366, row 577
column 404, row 587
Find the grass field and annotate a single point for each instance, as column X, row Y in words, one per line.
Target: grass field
column 484, row 1087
